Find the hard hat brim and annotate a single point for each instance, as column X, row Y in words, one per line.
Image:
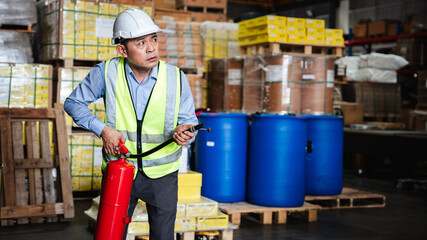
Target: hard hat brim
column 116, row 39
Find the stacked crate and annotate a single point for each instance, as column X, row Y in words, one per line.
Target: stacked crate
column 86, row 160
column 25, row 85
column 180, row 44
column 280, row 29
column 68, row 79
column 80, row 30
column 194, row 212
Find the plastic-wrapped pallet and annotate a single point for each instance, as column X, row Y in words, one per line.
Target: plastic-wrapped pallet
column 382, row 61
column 86, row 160
column 15, row 47
column 220, row 39
column 25, row 85
column 18, row 12
column 68, row 79
column 179, row 44
column 80, row 30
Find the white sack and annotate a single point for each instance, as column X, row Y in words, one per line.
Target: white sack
column 382, row 61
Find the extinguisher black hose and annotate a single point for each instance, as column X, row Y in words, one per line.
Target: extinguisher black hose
column 165, row 143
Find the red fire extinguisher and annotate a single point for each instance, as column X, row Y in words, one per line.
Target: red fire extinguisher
column 116, row 190
column 113, row 206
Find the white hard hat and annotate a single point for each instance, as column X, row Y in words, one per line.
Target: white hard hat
column 132, row 23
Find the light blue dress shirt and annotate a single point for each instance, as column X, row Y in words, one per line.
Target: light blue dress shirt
column 93, row 88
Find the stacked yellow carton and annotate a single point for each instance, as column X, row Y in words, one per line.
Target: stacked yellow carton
column 262, row 29
column 25, row 85
column 194, row 212
column 279, row 29
column 86, row 160
column 219, row 39
column 68, row 79
column 80, row 29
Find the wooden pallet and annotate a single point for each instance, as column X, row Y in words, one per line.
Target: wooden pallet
column 36, row 198
column 17, row 28
column 204, row 9
column 307, row 212
column 349, row 198
column 69, row 62
column 225, row 234
column 293, row 48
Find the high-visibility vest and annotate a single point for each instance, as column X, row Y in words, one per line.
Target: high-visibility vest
column 158, row 122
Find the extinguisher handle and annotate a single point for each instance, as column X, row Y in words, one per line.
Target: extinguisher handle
column 123, row 148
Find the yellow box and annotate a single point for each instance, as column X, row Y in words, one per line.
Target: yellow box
column 148, row 10
column 80, row 6
column 315, row 23
column 112, row 52
column 180, row 210
column 68, row 4
column 114, row 9
column 202, row 207
column 295, row 22
column 85, row 183
column 97, row 182
column 91, row 7
column 297, row 39
column 140, row 227
column 126, row 6
column 334, row 41
column 315, row 32
column 104, row 8
column 75, row 183
column 269, row 20
column 91, row 53
column 185, row 224
column 267, row 29
column 189, row 193
column 67, row 51
column 190, row 179
column 333, row 33
column 271, row 37
column 300, row 31
column 212, row 222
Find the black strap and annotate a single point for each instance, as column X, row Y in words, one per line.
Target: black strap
column 162, row 145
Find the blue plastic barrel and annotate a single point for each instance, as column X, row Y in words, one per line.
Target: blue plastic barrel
column 276, row 161
column 324, row 158
column 221, row 156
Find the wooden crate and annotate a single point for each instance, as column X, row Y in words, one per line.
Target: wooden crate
column 202, row 17
column 349, row 198
column 307, row 212
column 41, row 199
column 292, row 47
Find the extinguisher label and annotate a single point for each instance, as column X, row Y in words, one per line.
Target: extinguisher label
column 210, row 144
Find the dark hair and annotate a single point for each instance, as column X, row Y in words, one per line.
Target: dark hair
column 124, row 42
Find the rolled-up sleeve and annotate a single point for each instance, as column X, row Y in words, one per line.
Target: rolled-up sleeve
column 89, row 90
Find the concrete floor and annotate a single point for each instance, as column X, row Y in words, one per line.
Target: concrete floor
column 404, row 217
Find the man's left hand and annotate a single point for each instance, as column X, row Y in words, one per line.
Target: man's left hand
column 181, row 137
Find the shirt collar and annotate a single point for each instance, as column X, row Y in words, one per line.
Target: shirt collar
column 153, row 73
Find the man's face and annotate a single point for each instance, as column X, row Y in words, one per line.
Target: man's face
column 142, row 52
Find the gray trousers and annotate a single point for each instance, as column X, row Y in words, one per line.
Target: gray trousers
column 161, row 197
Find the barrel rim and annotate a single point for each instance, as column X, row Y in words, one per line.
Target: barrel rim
column 222, row 114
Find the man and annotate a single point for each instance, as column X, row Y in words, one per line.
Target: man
column 147, row 101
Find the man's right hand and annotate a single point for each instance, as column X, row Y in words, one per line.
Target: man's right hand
column 110, row 138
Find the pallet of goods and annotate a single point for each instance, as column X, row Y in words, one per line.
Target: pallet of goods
column 20, row 19
column 15, row 47
column 25, row 85
column 194, row 212
column 80, row 30
column 68, row 79
column 277, row 34
column 271, row 83
column 86, row 161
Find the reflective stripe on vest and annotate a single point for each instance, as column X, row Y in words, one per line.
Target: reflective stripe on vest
column 161, row 114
